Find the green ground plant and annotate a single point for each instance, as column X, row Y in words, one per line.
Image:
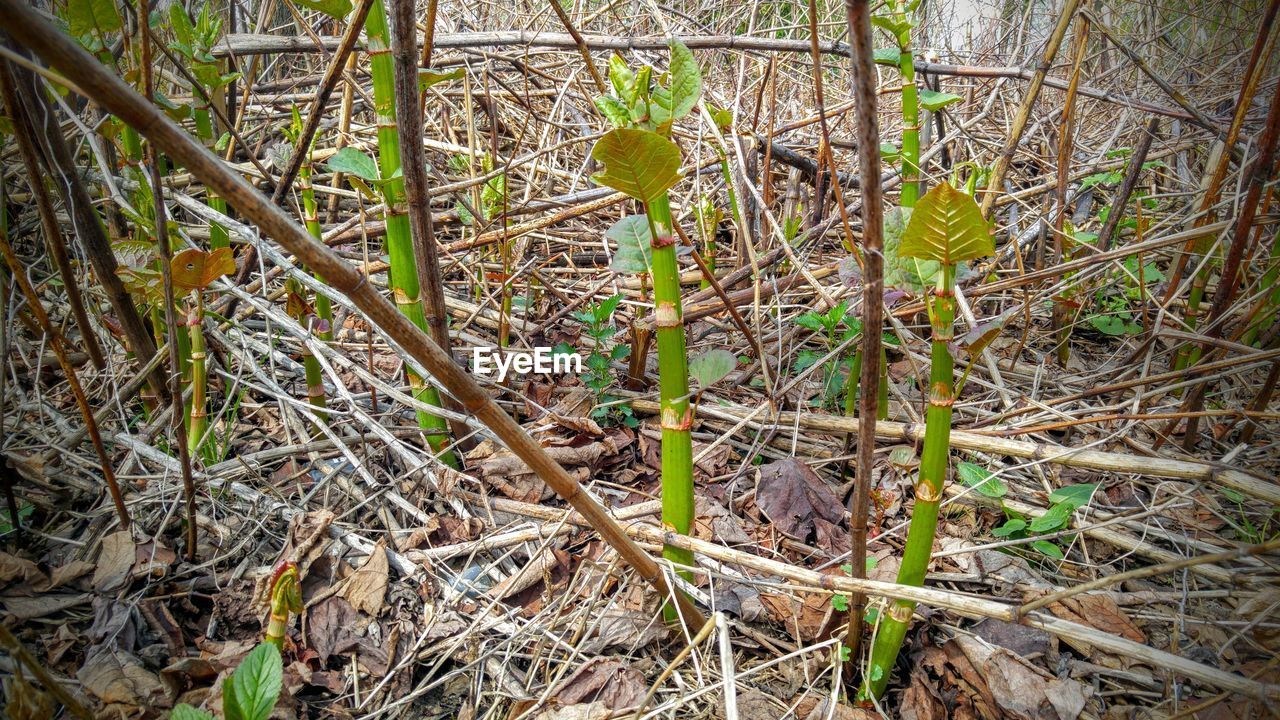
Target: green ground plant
column 946, row 228
column 641, row 161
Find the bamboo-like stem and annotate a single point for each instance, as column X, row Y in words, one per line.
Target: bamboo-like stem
column 302, row 148
column 676, row 417
column 1265, row 311
column 934, row 462
column 116, row 97
column 1258, row 174
column 218, row 236
column 54, row 338
column 404, row 278
column 48, row 219
column 910, row 191
column 416, row 187
column 165, row 252
column 199, row 412
column 858, row 16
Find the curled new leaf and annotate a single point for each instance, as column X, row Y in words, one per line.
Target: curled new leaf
column 638, row 163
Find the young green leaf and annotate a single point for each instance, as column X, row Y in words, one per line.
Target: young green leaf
column 353, row 162
column 622, row 79
column 712, row 366
column 186, row 712
column 1055, row 519
column 840, row 602
column 887, row 56
column 898, row 27
column 1077, row 496
column 947, row 226
column 427, row 78
column 1047, row 548
column 336, row 9
column 978, row 478
column 638, row 163
column 934, row 101
column 605, row 309
column 92, row 16
column 686, row 80
column 635, row 244
column 1015, row 525
column 256, row 683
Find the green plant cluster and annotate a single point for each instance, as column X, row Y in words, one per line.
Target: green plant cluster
column 1062, row 503
column 250, row 693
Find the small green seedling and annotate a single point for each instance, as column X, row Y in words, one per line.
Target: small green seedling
column 250, row 693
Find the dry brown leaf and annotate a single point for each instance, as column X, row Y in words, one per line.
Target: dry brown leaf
column 30, row 607
column 367, row 587
column 115, row 560
column 603, row 680
column 588, row 711
column 793, row 497
column 117, row 677
column 21, row 569
column 1021, row 689
column 1097, row 610
column 67, row 573
column 920, row 702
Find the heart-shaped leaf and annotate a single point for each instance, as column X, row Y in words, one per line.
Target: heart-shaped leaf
column 256, row 683
column 635, row 244
column 934, row 101
column 1047, row 548
column 686, row 80
column 353, row 162
column 947, row 226
column 194, row 269
column 1056, row 518
column 712, row 366
column 639, row 163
